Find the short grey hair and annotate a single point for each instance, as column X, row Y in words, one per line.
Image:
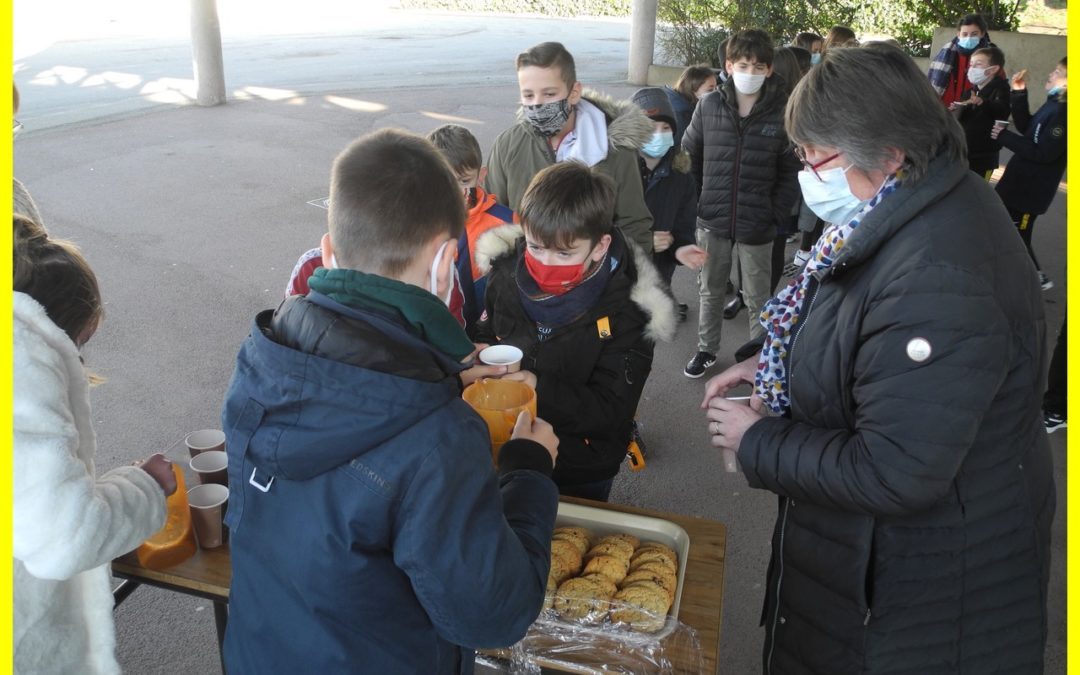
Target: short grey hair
column 868, row 101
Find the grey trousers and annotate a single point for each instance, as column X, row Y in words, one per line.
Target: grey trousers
column 755, row 263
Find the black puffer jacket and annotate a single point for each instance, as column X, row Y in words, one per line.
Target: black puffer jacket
column 746, row 174
column 914, row 472
column 588, row 383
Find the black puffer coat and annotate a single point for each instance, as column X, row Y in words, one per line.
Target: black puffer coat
column 914, row 471
column 745, row 171
column 587, row 383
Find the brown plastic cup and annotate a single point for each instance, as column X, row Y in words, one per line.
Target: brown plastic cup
column 207, row 504
column 205, row 439
column 211, row 466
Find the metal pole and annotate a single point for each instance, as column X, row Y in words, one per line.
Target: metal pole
column 206, row 53
column 642, row 40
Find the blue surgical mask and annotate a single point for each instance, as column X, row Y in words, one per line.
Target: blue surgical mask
column 659, row 144
column 815, row 59
column 968, row 42
column 1054, row 91
column 830, row 198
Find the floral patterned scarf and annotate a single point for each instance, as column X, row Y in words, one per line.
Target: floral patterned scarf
column 781, row 314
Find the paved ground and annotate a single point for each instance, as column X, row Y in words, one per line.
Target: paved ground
column 193, row 219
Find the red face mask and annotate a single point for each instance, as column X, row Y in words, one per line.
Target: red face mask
column 554, row 279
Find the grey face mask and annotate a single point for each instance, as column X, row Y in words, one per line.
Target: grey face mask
column 548, row 118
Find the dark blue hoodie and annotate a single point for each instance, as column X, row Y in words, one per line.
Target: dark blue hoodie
column 370, row 532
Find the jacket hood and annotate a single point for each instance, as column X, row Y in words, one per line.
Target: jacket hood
column 628, row 126
column 648, row 291
column 317, row 414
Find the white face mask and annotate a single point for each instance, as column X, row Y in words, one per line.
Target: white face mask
column 978, row 76
column 745, row 83
column 830, row 198
column 434, row 272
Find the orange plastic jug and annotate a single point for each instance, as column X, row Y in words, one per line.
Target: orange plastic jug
column 175, row 542
column 500, row 402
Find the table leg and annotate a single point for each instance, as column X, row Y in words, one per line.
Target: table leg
column 221, row 618
column 126, row 588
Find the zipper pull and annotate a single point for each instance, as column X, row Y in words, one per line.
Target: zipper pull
column 867, row 621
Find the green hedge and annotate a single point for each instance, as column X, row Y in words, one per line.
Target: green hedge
column 548, row 7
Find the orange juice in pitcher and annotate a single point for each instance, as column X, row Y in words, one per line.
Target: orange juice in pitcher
column 175, row 542
column 500, row 402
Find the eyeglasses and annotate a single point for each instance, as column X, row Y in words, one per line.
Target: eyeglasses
column 801, row 154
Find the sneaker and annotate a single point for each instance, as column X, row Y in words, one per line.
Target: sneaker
column 699, row 364
column 683, row 311
column 732, row 309
column 797, row 263
column 1053, row 422
column 1045, row 281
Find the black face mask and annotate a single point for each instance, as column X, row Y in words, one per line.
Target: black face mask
column 548, row 118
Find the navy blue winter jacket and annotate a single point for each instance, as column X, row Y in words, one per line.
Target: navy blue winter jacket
column 370, row 532
column 1031, row 179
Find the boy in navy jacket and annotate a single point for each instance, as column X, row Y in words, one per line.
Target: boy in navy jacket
column 369, row 528
column 1033, row 174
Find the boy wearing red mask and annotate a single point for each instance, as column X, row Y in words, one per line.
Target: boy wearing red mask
column 585, row 306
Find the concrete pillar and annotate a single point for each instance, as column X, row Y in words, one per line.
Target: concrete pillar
column 642, row 40
column 206, row 53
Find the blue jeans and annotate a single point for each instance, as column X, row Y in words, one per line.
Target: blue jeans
column 598, row 490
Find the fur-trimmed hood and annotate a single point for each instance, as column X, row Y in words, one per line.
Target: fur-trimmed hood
column 628, row 126
column 649, row 292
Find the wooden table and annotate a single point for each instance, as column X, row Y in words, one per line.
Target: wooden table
column 207, row 574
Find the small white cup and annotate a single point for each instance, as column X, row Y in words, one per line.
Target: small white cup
column 1004, row 124
column 503, row 355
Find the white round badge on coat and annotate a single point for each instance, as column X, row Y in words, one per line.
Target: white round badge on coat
column 918, row 350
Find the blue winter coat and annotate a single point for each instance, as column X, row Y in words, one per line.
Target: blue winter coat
column 370, row 532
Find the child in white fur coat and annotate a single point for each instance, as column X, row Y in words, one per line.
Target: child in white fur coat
column 68, row 524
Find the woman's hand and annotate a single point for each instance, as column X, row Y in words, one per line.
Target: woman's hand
column 738, row 374
column 996, row 130
column 693, row 257
column 728, row 421
column 160, row 469
column 662, row 241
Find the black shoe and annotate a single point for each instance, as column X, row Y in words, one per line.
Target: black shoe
column 1053, row 421
column 683, row 311
column 699, row 364
column 734, row 307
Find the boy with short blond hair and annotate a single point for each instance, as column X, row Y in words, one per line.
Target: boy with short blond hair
column 354, row 464
column 585, row 307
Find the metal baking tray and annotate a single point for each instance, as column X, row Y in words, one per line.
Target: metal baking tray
column 602, row 522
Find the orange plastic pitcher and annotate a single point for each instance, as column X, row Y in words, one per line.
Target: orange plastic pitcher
column 500, row 402
column 174, row 543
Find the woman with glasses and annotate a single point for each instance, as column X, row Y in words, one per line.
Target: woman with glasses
column 896, row 406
